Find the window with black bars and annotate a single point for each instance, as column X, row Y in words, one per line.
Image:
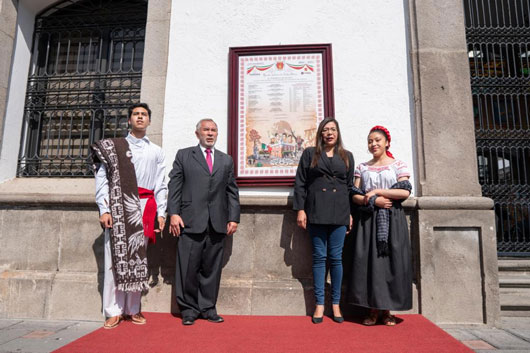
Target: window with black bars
column 86, row 69
column 498, row 40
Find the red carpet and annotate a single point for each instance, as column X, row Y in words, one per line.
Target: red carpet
column 165, row 333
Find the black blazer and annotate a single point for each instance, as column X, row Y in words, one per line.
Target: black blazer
column 198, row 196
column 323, row 192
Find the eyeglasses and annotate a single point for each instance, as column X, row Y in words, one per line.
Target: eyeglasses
column 329, row 129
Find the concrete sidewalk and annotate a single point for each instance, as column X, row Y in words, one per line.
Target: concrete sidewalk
column 46, row 336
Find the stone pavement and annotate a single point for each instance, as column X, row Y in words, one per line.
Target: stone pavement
column 513, row 336
column 46, row 336
column 41, row 335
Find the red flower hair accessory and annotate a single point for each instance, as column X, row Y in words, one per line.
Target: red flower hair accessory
column 387, row 135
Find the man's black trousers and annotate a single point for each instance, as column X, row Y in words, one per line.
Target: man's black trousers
column 198, row 272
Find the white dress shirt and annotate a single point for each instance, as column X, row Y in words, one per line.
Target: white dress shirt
column 149, row 166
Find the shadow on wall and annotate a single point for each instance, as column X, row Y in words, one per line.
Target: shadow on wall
column 294, row 244
column 99, row 254
column 297, row 254
column 161, row 257
column 227, row 252
column 347, row 308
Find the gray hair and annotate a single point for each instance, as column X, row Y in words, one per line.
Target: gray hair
column 198, row 126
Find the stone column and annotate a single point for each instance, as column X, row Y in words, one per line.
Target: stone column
column 155, row 64
column 8, row 21
column 455, row 225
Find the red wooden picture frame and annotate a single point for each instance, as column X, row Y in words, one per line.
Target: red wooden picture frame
column 233, row 99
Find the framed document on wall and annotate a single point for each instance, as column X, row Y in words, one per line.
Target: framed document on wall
column 277, row 97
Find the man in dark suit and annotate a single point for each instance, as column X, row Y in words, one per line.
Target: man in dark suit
column 203, row 203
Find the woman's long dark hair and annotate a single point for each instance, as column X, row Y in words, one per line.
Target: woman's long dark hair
column 319, row 143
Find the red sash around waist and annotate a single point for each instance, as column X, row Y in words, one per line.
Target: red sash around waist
column 148, row 218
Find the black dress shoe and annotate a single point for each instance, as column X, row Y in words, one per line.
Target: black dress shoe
column 215, row 318
column 188, row 320
column 317, row 320
column 338, row 319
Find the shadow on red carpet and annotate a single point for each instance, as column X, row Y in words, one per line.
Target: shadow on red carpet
column 165, row 333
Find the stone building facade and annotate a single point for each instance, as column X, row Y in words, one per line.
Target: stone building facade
column 400, row 64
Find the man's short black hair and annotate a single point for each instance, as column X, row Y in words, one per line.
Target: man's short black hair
column 139, row 105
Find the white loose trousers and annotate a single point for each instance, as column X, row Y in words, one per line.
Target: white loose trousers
column 117, row 302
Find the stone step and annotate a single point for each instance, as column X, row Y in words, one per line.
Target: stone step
column 514, row 280
column 514, row 274
column 515, row 313
column 514, row 265
column 514, row 283
column 515, row 301
column 516, row 291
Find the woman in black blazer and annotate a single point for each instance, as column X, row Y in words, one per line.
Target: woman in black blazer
column 321, row 196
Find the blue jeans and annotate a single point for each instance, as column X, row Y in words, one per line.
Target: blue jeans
column 328, row 241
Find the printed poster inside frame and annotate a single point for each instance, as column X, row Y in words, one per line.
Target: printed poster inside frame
column 281, row 95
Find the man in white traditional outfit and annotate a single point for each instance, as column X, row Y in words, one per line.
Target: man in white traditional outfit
column 130, row 193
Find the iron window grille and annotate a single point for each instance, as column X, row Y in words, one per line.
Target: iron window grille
column 86, row 69
column 498, row 40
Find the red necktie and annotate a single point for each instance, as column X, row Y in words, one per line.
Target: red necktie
column 209, row 159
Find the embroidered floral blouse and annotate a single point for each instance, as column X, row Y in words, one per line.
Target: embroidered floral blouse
column 380, row 177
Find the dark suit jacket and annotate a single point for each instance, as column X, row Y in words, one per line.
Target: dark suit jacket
column 323, row 192
column 198, row 196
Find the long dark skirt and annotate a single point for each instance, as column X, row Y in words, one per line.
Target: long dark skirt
column 383, row 283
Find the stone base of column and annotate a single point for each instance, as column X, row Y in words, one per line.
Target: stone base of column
column 457, row 260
